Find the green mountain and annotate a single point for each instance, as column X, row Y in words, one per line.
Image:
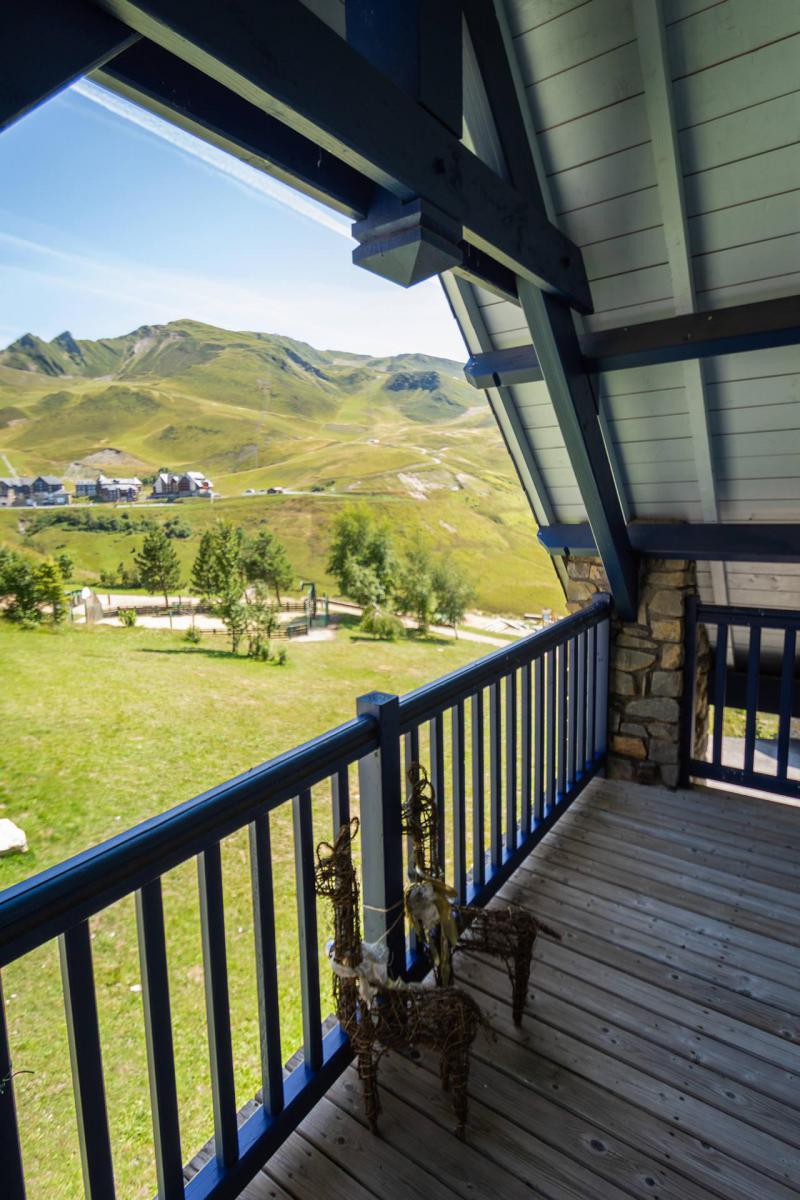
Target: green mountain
column 188, row 395
column 257, row 410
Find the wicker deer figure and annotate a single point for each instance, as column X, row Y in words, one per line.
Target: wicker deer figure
column 379, row 1014
column 506, row 933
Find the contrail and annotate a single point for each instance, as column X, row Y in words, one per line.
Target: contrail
column 218, row 160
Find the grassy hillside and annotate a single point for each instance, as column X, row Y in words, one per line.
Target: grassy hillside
column 253, row 411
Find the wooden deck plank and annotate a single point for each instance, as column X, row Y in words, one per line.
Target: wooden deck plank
column 629, row 1003
column 681, row 908
column 766, row 840
column 557, row 1013
column 635, row 952
column 639, row 874
column 511, row 1071
column 659, row 1054
column 667, row 857
column 750, row 876
column 621, row 905
column 588, row 1156
column 739, row 859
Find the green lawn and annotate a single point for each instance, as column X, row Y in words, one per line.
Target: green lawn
column 100, row 730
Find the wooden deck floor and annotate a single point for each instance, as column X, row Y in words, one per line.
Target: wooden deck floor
column 660, row 1051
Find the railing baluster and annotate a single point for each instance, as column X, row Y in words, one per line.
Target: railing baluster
column 580, row 713
column 307, row 929
column 572, row 713
column 562, row 722
column 266, row 954
column 495, row 779
column 10, row 1152
column 601, row 689
column 83, row 1035
column 410, row 755
column 215, row 969
column 478, row 768
column 436, row 734
column 720, row 668
column 459, row 803
column 591, row 651
column 340, row 799
column 787, row 686
column 538, row 740
column 525, row 752
column 751, row 702
column 511, row 763
column 552, row 767
column 689, row 706
column 158, row 1040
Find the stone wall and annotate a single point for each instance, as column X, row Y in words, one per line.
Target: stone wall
column 646, row 669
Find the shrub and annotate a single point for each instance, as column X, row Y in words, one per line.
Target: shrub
column 128, row 616
column 192, row 635
column 381, row 624
column 282, row 657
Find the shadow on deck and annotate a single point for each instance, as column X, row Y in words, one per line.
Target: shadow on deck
column 660, row 1052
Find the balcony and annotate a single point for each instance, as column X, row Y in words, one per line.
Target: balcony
column 658, row 1052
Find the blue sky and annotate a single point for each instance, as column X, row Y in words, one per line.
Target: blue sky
column 111, row 219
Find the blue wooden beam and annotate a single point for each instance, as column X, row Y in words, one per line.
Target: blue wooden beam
column 759, row 325
column 418, row 46
column 47, row 45
column 749, row 542
column 575, row 408
column 279, row 56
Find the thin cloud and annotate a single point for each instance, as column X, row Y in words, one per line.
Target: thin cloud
column 211, row 156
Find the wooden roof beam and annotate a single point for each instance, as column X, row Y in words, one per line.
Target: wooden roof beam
column 759, row 325
column 46, row 46
column 710, row 542
column 283, row 59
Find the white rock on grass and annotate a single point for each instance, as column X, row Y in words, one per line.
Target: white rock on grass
column 12, row 839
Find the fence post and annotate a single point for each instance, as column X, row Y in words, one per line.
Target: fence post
column 689, row 699
column 601, row 683
column 381, row 834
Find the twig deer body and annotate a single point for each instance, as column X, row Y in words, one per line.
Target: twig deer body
column 507, row 933
column 380, row 1015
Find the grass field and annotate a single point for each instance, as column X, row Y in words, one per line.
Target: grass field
column 492, row 538
column 100, row 730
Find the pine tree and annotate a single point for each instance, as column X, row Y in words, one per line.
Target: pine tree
column 49, row 584
column 266, row 561
column 158, row 564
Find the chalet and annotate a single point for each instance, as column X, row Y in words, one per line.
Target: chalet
column 86, row 488
column 607, row 192
column 44, row 485
column 188, row 484
column 114, row 490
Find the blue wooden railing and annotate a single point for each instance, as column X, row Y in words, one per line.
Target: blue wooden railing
column 546, row 701
column 755, row 690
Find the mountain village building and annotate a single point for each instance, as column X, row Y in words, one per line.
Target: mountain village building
column 186, row 483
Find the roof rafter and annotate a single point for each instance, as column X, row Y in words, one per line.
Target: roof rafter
column 551, row 324
column 309, row 78
column 737, row 329
column 651, row 36
column 48, row 45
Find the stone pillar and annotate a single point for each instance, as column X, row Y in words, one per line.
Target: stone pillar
column 646, row 676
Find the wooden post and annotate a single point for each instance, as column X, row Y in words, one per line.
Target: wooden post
column 381, row 844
